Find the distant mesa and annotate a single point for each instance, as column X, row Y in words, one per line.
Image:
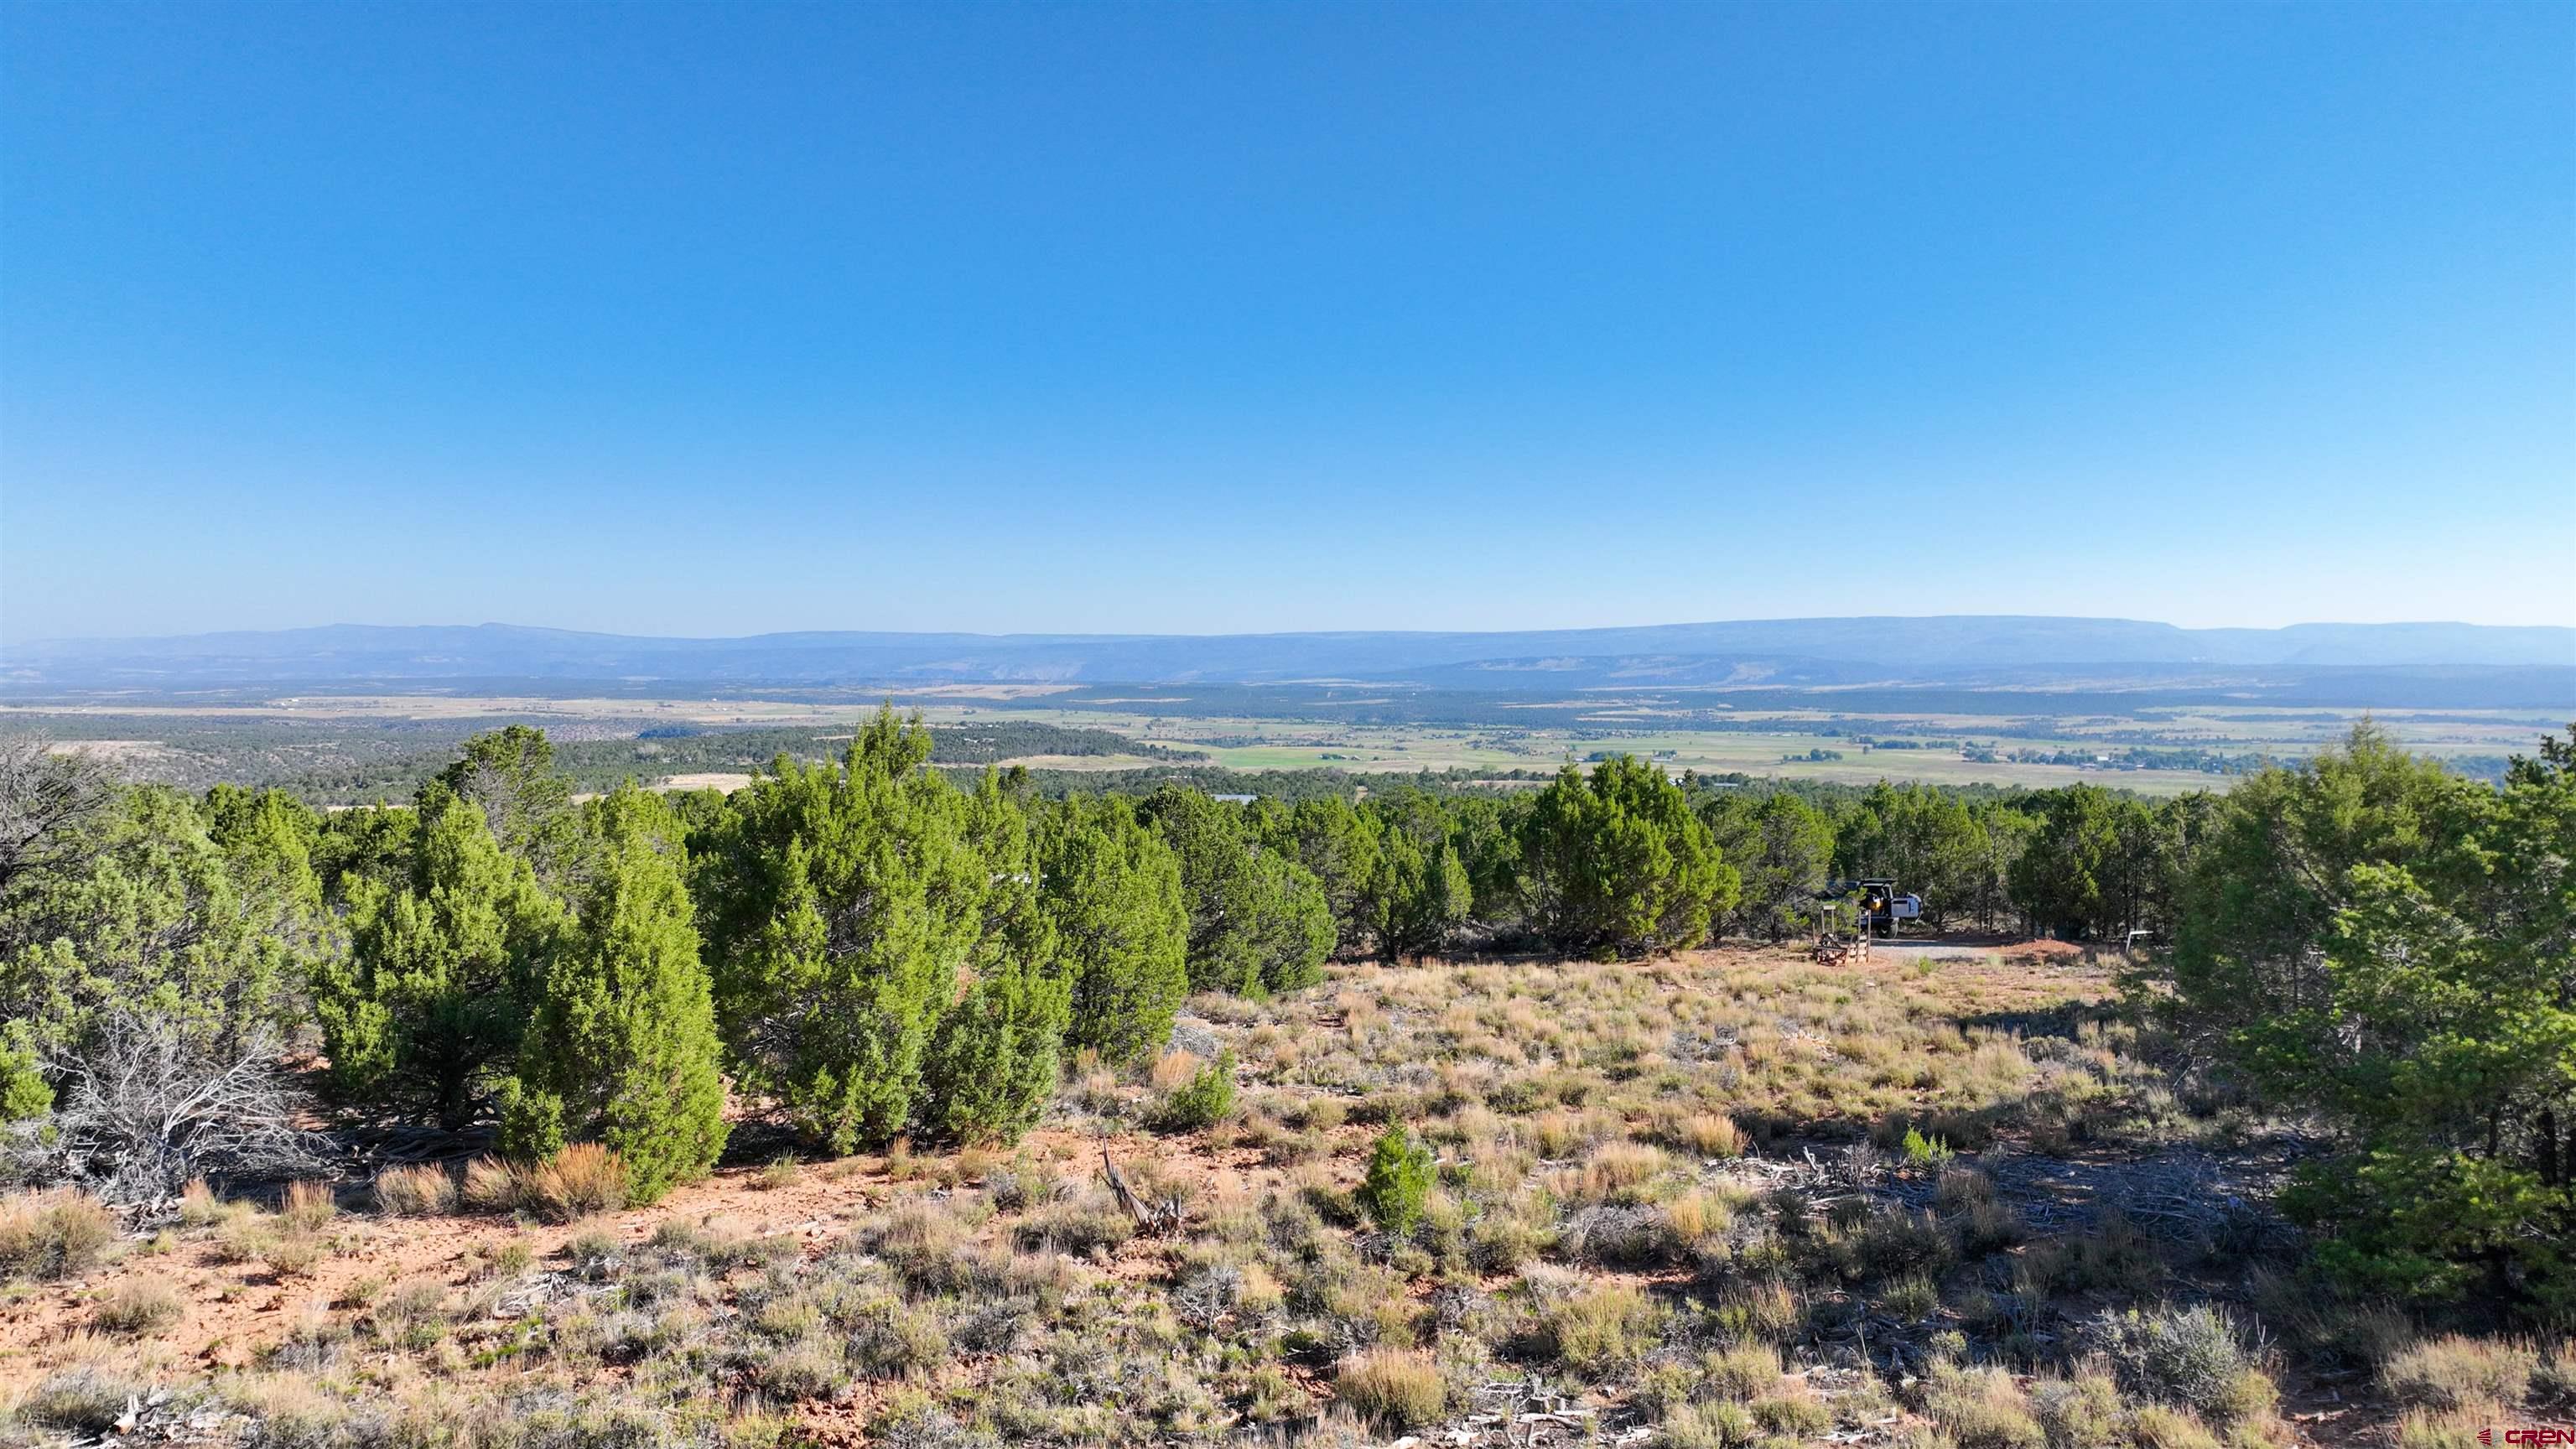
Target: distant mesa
column 1962, row 651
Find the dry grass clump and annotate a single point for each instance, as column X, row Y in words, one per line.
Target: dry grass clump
column 1596, row 1330
column 2444, row 1429
column 714, row 1244
column 2115, row 1260
column 579, row 1180
column 2553, row 1379
column 1982, row 1408
column 1560, row 1134
column 84, row 1400
column 1795, row 1413
column 138, row 1306
column 926, row 1246
column 1082, row 1227
column 1698, row 1215
column 1722, row 1425
column 1398, row 1388
column 293, row 1254
column 2077, row 1413
column 1702, row 1134
column 307, row 1207
column 422, row 1191
column 1742, row 1373
column 489, row 1186
column 2455, row 1372
column 53, row 1235
column 1173, row 1070
column 199, row 1207
column 1887, row 1242
column 1616, row 1171
column 290, row 1242
column 2160, row 1426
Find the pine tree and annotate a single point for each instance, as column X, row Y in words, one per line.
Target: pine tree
column 623, row 1050
column 510, row 774
column 1398, row 1185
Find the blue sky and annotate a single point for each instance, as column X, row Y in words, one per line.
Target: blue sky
column 712, row 319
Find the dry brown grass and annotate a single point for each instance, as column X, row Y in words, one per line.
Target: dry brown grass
column 307, row 1207
column 1592, row 1223
column 489, row 1186
column 53, row 1234
column 139, row 1306
column 1702, row 1134
column 1173, row 1070
column 581, row 1179
column 1400, row 1388
column 2456, row 1372
column 422, row 1191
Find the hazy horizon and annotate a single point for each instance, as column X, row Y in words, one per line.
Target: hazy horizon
column 1291, row 630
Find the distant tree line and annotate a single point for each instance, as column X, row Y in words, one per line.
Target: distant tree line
column 600, row 765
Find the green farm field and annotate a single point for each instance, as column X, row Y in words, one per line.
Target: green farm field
column 2177, row 750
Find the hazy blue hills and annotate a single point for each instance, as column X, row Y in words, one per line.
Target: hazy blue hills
column 2535, row 664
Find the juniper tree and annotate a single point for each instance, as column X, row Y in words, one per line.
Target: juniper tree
column 142, row 911
column 2389, row 945
column 993, row 1061
column 1418, row 893
column 1113, row 890
column 1259, row 922
column 426, row 1011
column 510, row 774
column 1486, row 835
column 49, row 801
column 623, row 1047
column 1617, row 862
column 2077, row 874
column 1339, row 846
column 842, row 901
column 372, row 842
column 1782, row 848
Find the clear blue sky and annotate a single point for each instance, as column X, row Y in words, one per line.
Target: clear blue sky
column 719, row 318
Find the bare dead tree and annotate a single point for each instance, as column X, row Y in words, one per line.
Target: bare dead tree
column 147, row 1107
column 44, row 798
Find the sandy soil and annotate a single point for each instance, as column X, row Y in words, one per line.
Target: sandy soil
column 705, row 780
column 233, row 1310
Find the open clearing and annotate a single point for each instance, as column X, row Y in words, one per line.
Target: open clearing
column 1637, row 1167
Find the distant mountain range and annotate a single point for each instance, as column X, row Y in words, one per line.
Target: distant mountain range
column 1972, row 651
